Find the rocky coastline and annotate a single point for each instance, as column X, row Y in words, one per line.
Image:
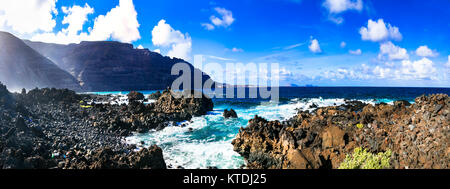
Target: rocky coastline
column 59, row 129
column 416, row 134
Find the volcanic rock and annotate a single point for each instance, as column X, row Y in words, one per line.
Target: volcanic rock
column 417, row 135
column 134, row 96
column 229, row 113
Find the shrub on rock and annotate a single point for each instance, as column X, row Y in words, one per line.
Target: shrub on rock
column 361, row 159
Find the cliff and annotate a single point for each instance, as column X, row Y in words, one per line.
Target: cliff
column 23, row 67
column 112, row 66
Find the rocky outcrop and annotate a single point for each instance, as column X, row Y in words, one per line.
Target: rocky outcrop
column 23, row 67
column 6, row 100
column 105, row 158
column 155, row 95
column 50, row 128
column 135, row 96
column 229, row 113
column 139, row 117
column 50, row 95
column 185, row 104
column 416, row 134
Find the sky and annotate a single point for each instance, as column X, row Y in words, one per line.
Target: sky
column 315, row 42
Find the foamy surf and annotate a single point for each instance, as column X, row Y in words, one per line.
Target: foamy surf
column 205, row 141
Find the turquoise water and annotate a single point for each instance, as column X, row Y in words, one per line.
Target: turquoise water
column 206, row 140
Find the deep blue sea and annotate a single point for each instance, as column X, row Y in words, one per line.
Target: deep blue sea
column 206, row 140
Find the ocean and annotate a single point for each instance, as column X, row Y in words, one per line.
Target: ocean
column 205, row 141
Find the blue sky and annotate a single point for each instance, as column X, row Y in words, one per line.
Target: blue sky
column 319, row 42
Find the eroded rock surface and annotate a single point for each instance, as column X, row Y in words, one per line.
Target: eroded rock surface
column 417, row 134
column 53, row 128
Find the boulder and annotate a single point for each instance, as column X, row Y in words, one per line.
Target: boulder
column 401, row 103
column 229, row 113
column 155, row 95
column 6, row 98
column 135, row 96
column 185, row 104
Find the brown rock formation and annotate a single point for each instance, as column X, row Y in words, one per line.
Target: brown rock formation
column 417, row 134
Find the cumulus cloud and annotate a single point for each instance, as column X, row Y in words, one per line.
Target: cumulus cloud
column 208, row 26
column 339, row 6
column 336, row 7
column 420, row 69
column 27, row 16
column 75, row 18
column 379, row 31
column 163, row 35
column 355, row 52
column 381, row 72
column 120, row 23
column 392, row 52
column 424, row 51
column 314, row 46
column 448, row 62
column 224, row 20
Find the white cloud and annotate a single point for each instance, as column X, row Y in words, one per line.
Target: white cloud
column 140, row 47
column 339, row 6
column 314, row 46
column 336, row 19
column 448, row 62
column 355, row 52
column 120, row 23
column 420, row 69
column 27, row 16
column 225, row 19
column 75, row 17
column 234, row 49
column 163, row 35
column 424, row 51
column 208, row 26
column 335, row 7
column 381, row 72
column 378, row 31
column 343, row 44
column 392, row 52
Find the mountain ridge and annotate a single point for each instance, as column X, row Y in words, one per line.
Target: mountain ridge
column 87, row 66
column 112, row 66
column 23, row 67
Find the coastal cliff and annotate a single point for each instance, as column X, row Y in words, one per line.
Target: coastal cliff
column 416, row 134
column 113, row 66
column 23, row 67
column 87, row 66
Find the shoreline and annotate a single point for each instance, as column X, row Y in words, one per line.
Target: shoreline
column 416, row 134
column 77, row 134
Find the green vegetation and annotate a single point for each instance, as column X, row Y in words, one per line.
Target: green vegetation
column 359, row 125
column 361, row 159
